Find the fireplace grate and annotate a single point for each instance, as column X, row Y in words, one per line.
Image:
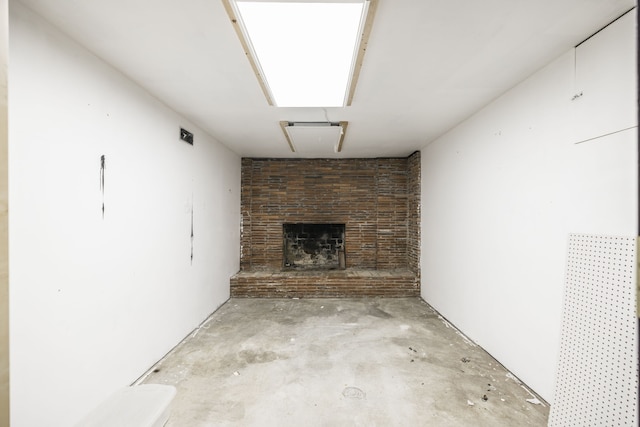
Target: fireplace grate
column 313, row 246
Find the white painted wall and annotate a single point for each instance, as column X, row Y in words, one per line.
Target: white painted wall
column 502, row 191
column 95, row 302
column 4, row 217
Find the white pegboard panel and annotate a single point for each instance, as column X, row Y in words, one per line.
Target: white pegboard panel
column 597, row 377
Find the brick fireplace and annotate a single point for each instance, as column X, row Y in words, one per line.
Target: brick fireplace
column 370, row 244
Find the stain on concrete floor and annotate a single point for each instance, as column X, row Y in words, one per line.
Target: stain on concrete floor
column 339, row 362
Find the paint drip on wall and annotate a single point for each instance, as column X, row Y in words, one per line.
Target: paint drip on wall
column 102, row 165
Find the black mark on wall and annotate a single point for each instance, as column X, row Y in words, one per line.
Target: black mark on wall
column 192, row 232
column 102, row 163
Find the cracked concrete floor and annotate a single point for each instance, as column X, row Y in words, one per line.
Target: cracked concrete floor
column 339, row 362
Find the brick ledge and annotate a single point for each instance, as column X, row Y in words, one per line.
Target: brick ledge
column 324, row 284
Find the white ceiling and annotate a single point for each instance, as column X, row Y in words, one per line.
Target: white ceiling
column 429, row 64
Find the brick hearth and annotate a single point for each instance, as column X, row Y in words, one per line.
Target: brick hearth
column 326, row 284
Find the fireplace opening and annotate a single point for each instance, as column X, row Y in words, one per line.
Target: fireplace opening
column 313, row 246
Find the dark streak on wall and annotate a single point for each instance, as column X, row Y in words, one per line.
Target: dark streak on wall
column 102, row 165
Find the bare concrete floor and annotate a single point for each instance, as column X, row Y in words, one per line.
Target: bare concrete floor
column 339, row 362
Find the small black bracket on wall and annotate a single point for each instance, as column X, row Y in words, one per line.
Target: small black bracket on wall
column 186, row 136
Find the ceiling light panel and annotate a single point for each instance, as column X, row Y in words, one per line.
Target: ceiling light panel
column 305, row 52
column 313, row 139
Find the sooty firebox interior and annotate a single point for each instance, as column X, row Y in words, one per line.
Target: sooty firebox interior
column 313, row 246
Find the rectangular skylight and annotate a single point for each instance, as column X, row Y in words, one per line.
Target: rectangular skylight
column 305, row 51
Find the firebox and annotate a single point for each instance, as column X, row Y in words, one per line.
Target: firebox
column 313, row 246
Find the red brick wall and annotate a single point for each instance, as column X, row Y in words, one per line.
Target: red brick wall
column 391, row 213
column 369, row 196
column 413, row 214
